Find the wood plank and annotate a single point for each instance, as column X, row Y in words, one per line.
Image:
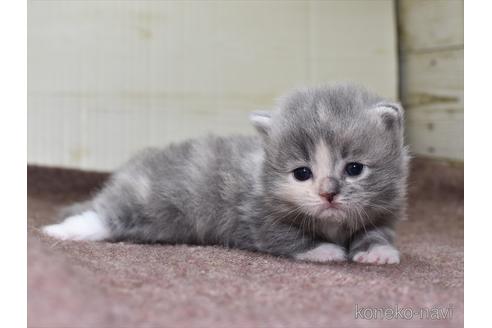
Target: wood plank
column 430, row 24
column 433, row 79
column 432, row 94
column 431, row 38
column 435, row 133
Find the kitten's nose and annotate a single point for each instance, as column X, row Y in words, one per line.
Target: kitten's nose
column 329, row 196
column 330, row 187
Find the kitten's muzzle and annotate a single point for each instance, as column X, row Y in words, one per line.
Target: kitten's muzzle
column 329, row 196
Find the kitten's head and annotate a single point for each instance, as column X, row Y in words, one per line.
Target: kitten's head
column 334, row 153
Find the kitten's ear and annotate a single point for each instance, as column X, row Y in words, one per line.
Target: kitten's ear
column 391, row 115
column 261, row 121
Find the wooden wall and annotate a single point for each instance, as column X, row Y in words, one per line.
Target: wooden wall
column 106, row 78
column 431, row 73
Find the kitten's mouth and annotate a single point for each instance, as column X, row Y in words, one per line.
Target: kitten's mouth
column 329, row 206
column 330, row 209
column 331, row 213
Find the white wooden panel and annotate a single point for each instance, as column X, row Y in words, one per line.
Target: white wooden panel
column 107, row 78
column 353, row 40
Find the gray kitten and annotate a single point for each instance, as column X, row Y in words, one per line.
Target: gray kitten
column 325, row 180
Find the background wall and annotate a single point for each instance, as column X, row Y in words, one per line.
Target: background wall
column 432, row 47
column 106, row 78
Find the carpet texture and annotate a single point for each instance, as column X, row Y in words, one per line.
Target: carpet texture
column 98, row 284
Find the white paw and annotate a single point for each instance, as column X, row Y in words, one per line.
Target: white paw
column 86, row 226
column 378, row 254
column 324, row 253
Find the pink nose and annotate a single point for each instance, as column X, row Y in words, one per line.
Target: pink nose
column 328, row 196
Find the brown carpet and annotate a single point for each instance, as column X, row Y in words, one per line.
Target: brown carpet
column 86, row 284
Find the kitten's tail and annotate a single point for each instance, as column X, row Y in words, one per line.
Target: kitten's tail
column 79, row 222
column 73, row 209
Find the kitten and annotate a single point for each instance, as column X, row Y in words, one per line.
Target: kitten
column 324, row 181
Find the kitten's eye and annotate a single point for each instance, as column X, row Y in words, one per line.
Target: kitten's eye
column 354, row 168
column 302, row 173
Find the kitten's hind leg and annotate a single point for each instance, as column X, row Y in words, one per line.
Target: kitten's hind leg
column 88, row 225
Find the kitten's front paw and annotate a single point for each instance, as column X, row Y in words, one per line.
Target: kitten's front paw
column 323, row 253
column 378, row 254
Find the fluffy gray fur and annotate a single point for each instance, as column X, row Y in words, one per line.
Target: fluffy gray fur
column 229, row 190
